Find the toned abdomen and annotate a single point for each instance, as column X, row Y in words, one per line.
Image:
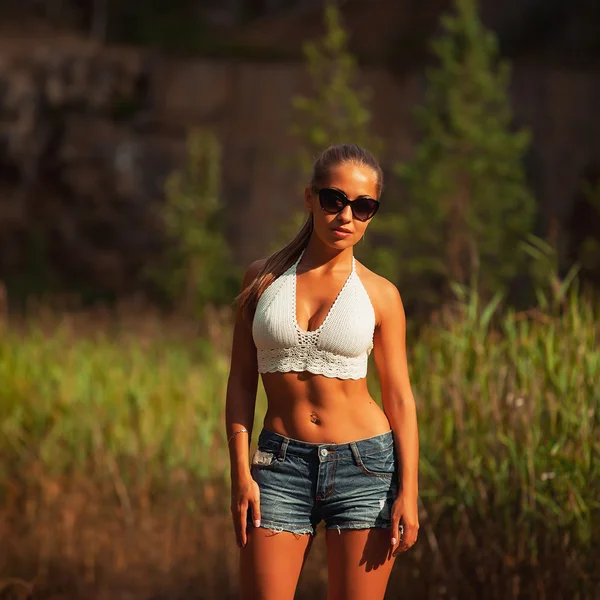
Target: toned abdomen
column 320, row 409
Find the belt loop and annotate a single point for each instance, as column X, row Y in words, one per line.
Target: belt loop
column 355, row 453
column 283, row 449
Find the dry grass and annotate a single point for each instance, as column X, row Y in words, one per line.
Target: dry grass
column 114, row 464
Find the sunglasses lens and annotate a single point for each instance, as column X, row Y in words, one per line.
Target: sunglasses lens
column 331, row 201
column 364, row 208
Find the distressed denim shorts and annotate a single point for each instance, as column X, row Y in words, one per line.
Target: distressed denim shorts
column 349, row 486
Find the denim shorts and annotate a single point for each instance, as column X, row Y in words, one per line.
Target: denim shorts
column 348, row 486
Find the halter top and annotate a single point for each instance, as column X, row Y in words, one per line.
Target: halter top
column 338, row 348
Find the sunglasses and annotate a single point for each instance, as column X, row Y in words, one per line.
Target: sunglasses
column 333, row 201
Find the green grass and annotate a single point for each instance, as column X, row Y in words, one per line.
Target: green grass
column 508, row 406
column 75, row 403
column 510, row 426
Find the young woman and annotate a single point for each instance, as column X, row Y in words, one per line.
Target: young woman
column 307, row 319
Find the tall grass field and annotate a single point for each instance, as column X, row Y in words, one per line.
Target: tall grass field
column 509, row 423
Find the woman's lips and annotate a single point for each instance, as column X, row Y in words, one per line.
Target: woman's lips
column 341, row 233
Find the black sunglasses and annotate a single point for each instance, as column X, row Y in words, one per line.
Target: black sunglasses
column 332, row 201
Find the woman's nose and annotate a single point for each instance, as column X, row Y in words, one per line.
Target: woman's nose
column 346, row 214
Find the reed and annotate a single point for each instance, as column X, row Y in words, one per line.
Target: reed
column 509, row 418
column 509, row 412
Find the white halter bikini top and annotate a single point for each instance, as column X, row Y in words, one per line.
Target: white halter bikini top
column 338, row 348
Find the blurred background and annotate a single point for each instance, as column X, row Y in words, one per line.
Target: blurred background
column 149, row 151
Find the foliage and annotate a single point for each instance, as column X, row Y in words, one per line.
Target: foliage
column 509, row 420
column 336, row 112
column 144, row 403
column 588, row 250
column 551, row 290
column 469, row 202
column 509, row 427
column 196, row 269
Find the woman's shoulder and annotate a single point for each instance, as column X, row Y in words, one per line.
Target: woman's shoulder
column 377, row 283
column 252, row 270
column 383, row 293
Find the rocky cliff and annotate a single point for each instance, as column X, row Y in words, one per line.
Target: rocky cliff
column 81, row 161
column 88, row 135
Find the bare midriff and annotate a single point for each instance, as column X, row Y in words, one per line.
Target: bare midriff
column 322, row 410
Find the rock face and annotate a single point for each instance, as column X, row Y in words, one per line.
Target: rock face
column 14, row 589
column 89, row 134
column 80, row 163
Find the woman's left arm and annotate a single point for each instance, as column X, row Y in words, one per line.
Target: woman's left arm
column 389, row 352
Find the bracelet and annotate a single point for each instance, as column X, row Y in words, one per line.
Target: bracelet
column 235, row 433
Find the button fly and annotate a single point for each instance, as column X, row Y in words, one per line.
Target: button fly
column 323, row 451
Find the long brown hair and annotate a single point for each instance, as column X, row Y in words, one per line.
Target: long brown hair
column 280, row 261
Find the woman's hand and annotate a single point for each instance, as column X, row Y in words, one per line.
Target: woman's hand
column 405, row 513
column 244, row 495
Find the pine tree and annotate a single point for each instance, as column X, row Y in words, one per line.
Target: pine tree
column 337, row 110
column 195, row 269
column 469, row 202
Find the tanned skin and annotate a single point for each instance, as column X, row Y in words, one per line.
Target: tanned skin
column 318, row 409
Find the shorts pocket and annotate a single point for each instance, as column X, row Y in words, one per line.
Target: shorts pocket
column 263, row 458
column 378, row 464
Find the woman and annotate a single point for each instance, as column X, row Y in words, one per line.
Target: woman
column 307, row 319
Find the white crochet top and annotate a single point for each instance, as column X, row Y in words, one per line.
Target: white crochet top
column 338, row 348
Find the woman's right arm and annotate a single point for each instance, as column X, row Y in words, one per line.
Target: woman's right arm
column 239, row 415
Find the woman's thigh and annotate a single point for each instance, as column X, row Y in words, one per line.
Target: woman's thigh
column 270, row 564
column 359, row 563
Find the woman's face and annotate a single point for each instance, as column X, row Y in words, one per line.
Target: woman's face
column 354, row 181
